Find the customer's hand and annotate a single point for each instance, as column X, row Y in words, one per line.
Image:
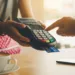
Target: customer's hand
column 11, row 29
column 66, row 26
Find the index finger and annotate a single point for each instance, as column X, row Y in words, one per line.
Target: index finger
column 54, row 25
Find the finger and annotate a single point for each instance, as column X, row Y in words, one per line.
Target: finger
column 16, row 24
column 62, row 32
column 23, row 43
column 15, row 32
column 42, row 24
column 54, row 25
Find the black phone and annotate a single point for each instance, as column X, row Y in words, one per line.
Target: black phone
column 39, row 38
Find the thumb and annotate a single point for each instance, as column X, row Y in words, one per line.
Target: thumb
column 18, row 36
column 24, row 39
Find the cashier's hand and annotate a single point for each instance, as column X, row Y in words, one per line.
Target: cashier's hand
column 11, row 29
column 66, row 26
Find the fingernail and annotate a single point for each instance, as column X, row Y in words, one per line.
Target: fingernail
column 24, row 26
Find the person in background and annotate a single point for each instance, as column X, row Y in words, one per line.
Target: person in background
column 9, row 34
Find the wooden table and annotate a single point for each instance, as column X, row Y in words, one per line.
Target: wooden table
column 33, row 62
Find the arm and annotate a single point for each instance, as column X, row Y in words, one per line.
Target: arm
column 25, row 8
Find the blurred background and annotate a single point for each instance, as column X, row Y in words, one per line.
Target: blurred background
column 49, row 11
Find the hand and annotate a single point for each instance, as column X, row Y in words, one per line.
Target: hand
column 11, row 29
column 66, row 26
column 42, row 24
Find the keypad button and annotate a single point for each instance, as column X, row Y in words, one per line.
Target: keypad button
column 43, row 36
column 49, row 36
column 47, row 41
column 38, row 36
column 34, row 31
column 40, row 31
column 47, row 33
column 37, row 30
column 43, row 40
column 52, row 40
